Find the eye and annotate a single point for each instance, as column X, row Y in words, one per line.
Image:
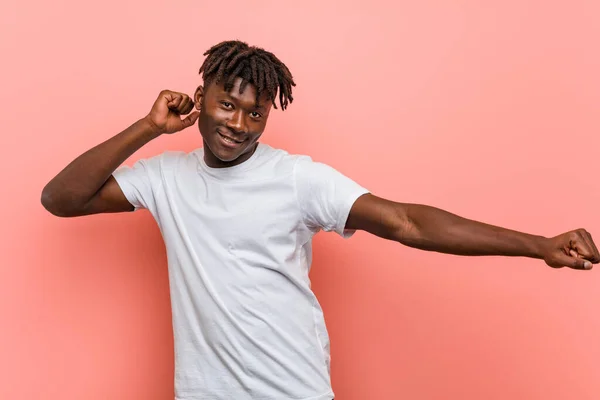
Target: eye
column 227, row 104
column 254, row 114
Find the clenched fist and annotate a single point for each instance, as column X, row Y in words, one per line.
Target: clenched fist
column 165, row 115
column 575, row 249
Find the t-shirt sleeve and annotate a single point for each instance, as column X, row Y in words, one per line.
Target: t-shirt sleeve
column 140, row 182
column 325, row 196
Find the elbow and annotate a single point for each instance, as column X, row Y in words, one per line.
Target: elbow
column 49, row 203
column 53, row 205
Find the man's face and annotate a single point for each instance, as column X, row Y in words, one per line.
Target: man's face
column 230, row 123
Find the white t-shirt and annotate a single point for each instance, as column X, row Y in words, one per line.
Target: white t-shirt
column 246, row 324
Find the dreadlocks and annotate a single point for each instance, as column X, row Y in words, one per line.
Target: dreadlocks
column 231, row 59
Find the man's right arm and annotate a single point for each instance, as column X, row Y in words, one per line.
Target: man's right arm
column 86, row 186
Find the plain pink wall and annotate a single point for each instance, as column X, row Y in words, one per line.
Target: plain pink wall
column 487, row 109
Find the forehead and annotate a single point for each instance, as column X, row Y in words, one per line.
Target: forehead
column 248, row 96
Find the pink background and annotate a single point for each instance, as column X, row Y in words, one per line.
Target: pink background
column 487, row 109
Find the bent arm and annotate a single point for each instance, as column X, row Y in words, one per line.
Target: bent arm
column 86, row 185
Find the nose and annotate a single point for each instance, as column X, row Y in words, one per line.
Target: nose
column 237, row 122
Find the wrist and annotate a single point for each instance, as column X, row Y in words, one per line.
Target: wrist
column 150, row 127
column 540, row 246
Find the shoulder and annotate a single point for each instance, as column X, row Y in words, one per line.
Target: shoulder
column 306, row 167
column 302, row 166
column 171, row 156
column 171, row 159
column 156, row 165
column 282, row 157
column 279, row 161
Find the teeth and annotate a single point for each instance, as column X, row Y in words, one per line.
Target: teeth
column 228, row 140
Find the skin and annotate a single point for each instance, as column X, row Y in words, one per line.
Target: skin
column 233, row 114
column 86, row 185
column 429, row 228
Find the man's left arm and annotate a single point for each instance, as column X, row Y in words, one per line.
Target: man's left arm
column 429, row 228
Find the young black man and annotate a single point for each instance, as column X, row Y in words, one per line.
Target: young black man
column 238, row 218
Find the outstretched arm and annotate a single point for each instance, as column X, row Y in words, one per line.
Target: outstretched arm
column 429, row 228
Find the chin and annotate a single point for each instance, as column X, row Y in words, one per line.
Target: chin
column 226, row 155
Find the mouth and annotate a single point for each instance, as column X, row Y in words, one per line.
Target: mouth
column 229, row 141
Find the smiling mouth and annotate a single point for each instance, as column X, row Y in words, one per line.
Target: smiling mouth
column 230, row 140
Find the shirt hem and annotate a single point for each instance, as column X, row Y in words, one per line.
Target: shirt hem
column 326, row 396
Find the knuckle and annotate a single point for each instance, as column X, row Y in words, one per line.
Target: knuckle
column 573, row 235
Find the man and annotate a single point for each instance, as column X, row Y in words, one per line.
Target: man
column 238, row 218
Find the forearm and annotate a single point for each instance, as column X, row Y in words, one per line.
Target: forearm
column 83, row 177
column 430, row 228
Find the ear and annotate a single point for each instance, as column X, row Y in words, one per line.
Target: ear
column 198, row 97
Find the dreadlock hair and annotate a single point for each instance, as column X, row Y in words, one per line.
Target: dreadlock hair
column 231, row 59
